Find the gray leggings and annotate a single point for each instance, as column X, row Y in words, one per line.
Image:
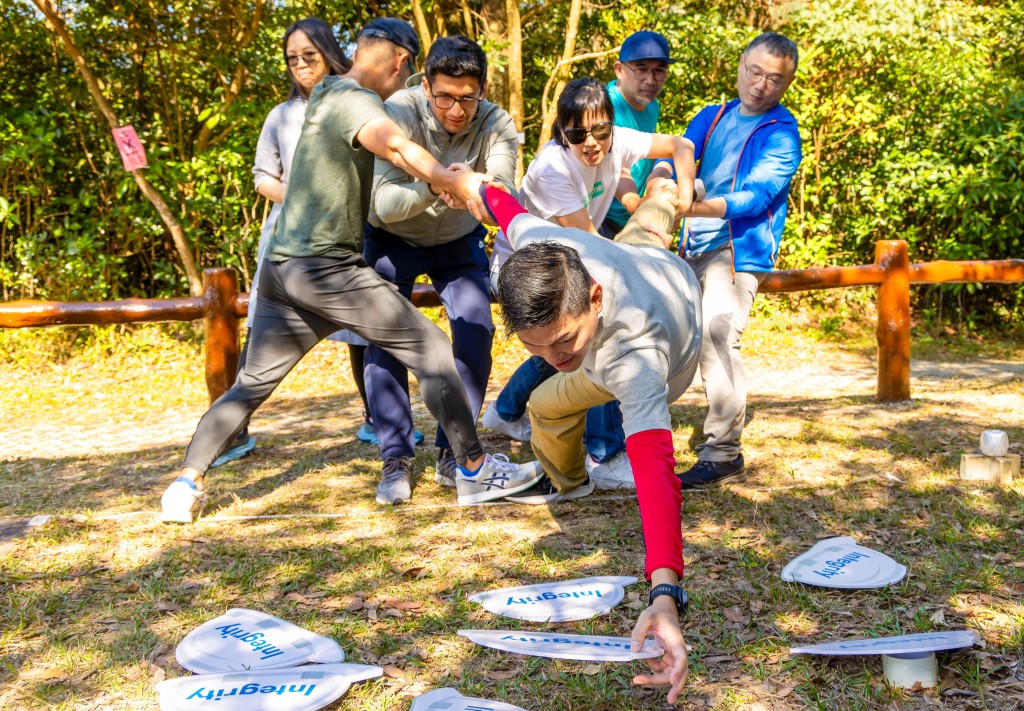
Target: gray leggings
column 304, row 300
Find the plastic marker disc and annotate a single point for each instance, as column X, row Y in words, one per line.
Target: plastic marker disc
column 452, row 700
column 298, row 689
column 923, row 642
column 584, row 648
column 557, row 602
column 840, row 563
column 242, row 639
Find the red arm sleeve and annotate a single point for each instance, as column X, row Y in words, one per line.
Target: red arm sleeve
column 658, row 490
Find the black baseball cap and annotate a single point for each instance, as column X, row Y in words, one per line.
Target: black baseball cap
column 393, row 30
column 645, row 45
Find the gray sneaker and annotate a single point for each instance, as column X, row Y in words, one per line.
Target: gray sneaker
column 395, row 481
column 544, row 492
column 496, row 479
column 517, row 429
column 446, row 470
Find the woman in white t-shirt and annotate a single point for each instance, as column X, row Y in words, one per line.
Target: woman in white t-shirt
column 572, row 183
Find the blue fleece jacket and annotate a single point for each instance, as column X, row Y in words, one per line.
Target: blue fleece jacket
column 756, row 207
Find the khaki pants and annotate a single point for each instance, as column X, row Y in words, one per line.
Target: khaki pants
column 558, row 407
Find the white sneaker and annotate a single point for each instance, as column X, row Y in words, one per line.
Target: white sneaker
column 544, row 492
column 182, row 502
column 496, row 479
column 616, row 473
column 517, row 430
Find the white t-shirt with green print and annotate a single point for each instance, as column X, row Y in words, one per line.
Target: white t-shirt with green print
column 558, row 184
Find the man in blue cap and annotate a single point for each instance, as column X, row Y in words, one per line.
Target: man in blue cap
column 640, row 76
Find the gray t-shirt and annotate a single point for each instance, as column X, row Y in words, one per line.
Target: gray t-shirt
column 328, row 198
column 648, row 339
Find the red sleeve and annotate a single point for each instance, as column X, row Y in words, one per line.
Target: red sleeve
column 658, row 490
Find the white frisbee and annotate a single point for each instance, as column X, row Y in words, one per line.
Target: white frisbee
column 919, row 643
column 242, row 640
column 840, row 563
column 452, row 700
column 562, row 601
column 297, row 689
column 584, row 648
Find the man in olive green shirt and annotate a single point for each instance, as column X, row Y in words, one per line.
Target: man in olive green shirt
column 315, row 280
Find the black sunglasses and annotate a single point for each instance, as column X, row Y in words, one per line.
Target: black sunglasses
column 599, row 131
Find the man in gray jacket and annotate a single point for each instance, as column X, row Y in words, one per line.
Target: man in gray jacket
column 413, row 232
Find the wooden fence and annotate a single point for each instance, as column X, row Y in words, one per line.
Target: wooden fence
column 221, row 306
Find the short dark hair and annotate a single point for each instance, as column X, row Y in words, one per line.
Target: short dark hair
column 456, row 56
column 540, row 284
column 579, row 98
column 320, row 34
column 777, row 46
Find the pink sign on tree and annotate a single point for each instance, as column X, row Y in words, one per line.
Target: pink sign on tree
column 133, row 154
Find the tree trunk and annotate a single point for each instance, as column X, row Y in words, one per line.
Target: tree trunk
column 548, row 107
column 60, row 28
column 419, row 19
column 514, row 103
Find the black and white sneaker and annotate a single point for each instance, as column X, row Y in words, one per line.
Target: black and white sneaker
column 496, row 479
column 709, row 475
column 544, row 492
column 446, row 471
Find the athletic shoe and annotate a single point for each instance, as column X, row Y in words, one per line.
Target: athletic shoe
column 615, row 473
column 517, row 429
column 708, row 475
column 395, row 481
column 544, row 492
column 182, row 502
column 242, row 447
column 446, row 470
column 366, row 434
column 496, row 478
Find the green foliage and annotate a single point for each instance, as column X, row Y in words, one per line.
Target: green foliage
column 911, row 114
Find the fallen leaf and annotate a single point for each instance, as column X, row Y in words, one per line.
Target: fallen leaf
column 735, row 614
column 938, row 617
column 719, row 658
column 784, row 690
column 166, row 607
column 394, row 672
column 355, row 605
column 417, row 572
column 756, row 606
column 43, row 674
column 592, row 669
column 501, row 675
column 392, row 612
column 296, row 597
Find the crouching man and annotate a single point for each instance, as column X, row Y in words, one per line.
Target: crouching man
column 620, row 320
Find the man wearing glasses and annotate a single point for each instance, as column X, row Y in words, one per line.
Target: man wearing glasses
column 748, row 150
column 413, row 232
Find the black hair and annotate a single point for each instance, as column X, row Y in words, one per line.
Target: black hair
column 777, row 46
column 540, row 284
column 456, row 56
column 579, row 98
column 320, row 34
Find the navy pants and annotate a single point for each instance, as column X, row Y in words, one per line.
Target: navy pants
column 603, row 435
column 459, row 273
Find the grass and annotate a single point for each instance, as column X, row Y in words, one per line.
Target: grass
column 94, row 602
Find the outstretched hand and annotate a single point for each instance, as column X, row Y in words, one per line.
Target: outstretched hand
column 672, row 668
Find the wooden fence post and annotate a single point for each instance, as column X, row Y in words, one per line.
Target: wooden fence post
column 220, row 287
column 893, row 321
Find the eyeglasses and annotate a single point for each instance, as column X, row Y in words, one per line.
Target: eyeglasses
column 599, row 131
column 309, row 58
column 656, row 73
column 443, row 102
column 755, row 75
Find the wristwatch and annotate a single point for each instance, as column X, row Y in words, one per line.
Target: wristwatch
column 676, row 592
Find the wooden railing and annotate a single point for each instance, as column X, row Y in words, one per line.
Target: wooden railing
column 221, row 306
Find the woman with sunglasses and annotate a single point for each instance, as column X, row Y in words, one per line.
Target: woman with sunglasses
column 310, row 52
column 572, row 183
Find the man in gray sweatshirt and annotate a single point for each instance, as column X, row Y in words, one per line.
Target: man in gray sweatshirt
column 413, row 232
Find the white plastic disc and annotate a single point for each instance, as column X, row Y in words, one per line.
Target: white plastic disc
column 297, row 689
column 557, row 602
column 242, row 640
column 585, row 648
column 921, row 642
column 840, row 563
column 452, row 700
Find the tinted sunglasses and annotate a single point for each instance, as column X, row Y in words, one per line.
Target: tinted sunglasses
column 599, row 131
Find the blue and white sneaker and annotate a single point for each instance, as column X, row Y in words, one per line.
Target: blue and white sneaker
column 366, row 434
column 496, row 479
column 241, row 447
column 182, row 501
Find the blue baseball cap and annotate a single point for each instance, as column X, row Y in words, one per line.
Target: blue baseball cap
column 394, row 30
column 645, row 45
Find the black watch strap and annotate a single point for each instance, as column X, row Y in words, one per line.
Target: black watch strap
column 676, row 592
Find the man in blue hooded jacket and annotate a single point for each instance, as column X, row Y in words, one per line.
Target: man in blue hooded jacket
column 748, row 150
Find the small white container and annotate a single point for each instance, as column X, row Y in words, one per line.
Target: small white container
column 906, row 670
column 994, row 443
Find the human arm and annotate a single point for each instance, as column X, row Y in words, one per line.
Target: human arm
column 681, row 151
column 769, row 176
column 579, row 220
column 267, row 167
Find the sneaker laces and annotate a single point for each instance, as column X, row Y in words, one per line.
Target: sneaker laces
column 394, row 469
column 500, row 464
